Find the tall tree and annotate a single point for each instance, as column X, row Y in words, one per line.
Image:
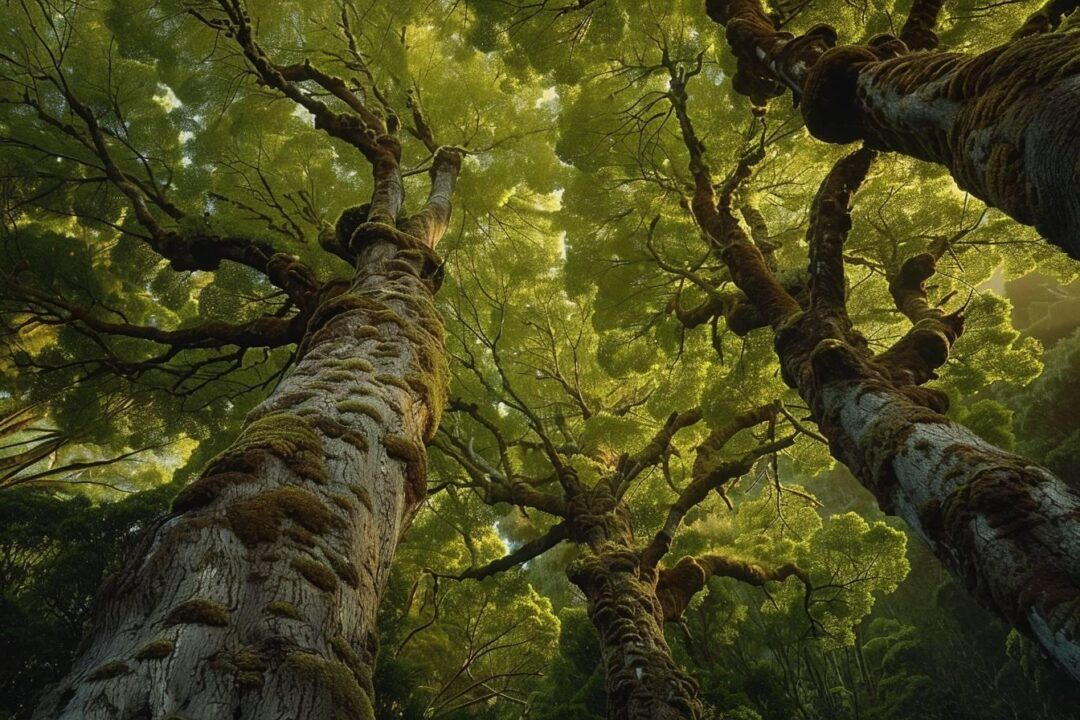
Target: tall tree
column 168, row 178
column 999, row 521
column 1001, row 121
column 581, row 455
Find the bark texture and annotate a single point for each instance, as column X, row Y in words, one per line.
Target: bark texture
column 256, row 597
column 1003, row 122
column 1003, row 525
column 642, row 679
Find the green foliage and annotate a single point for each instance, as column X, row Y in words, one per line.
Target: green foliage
column 1049, row 430
column 57, row 550
column 557, row 303
column 444, row 644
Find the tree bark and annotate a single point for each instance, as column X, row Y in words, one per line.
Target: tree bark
column 1003, row 122
column 643, row 681
column 1000, row 523
column 257, row 597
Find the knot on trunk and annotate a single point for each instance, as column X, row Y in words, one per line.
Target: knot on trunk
column 676, row 586
column 597, row 568
column 413, row 254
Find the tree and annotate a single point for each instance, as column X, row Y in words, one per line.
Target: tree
column 866, row 394
column 999, row 120
column 946, row 482
column 209, row 274
column 587, row 462
column 257, row 594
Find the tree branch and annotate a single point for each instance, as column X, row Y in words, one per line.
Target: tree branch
column 830, row 221
column 748, row 267
column 710, row 472
column 527, row 551
column 915, row 357
column 676, row 586
column 1047, row 18
column 918, row 30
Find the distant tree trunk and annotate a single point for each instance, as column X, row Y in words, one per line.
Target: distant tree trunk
column 643, row 681
column 257, row 597
column 1003, row 122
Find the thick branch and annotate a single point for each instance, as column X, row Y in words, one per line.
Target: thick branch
column 749, row 270
column 917, row 355
column 768, row 59
column 918, row 31
column 360, row 128
column 496, row 488
column 1047, row 18
column 430, row 224
column 677, row 586
column 711, row 472
column 936, row 107
column 526, row 552
column 630, row 467
column 830, row 221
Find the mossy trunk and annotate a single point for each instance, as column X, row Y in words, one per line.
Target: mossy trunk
column 642, row 680
column 1003, row 122
column 1004, row 526
column 256, row 598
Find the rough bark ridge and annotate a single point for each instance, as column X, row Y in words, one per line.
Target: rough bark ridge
column 1006, row 527
column 642, row 679
column 1003, row 122
column 257, row 597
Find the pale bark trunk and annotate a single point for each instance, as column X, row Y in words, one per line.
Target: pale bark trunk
column 1006, row 527
column 1003, row 122
column 257, row 597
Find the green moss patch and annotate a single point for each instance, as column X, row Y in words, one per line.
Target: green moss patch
column 362, row 495
column 207, row 488
column 414, row 456
column 199, row 611
column 283, row 608
column 344, row 568
column 361, row 407
column 258, row 518
column 356, row 365
column 316, row 573
column 286, row 436
column 156, row 650
column 109, row 670
column 349, row 700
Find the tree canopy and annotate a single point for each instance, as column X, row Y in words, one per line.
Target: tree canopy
column 658, row 280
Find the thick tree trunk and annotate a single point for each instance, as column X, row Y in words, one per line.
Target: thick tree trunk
column 1006, row 527
column 642, row 679
column 257, row 597
column 1003, row 122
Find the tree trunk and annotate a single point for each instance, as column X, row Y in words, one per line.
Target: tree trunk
column 643, row 681
column 257, row 597
column 1003, row 122
column 1005, row 526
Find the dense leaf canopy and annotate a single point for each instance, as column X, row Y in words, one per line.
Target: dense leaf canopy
column 584, row 309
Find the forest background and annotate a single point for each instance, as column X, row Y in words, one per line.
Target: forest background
column 180, row 197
